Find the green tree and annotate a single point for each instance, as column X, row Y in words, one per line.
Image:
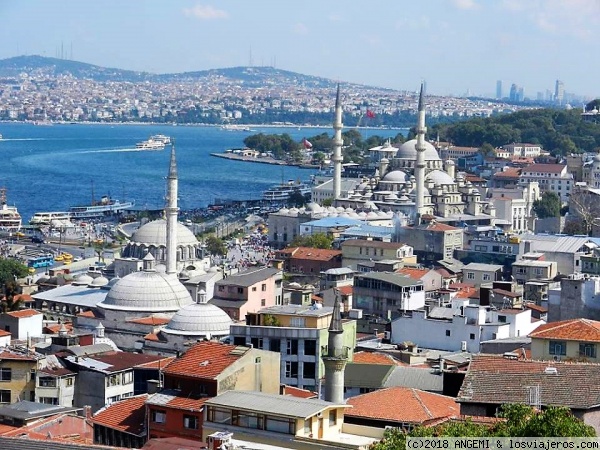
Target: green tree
column 11, row 269
column 548, row 205
column 317, row 240
column 487, row 150
column 216, row 246
column 327, row 202
column 298, row 199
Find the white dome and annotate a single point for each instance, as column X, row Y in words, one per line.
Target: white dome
column 83, row 280
column 372, row 215
column 284, row 211
column 155, row 233
column 597, row 158
column 439, row 178
column 314, row 207
column 408, row 151
column 395, row 176
column 147, row 291
column 99, row 281
column 199, row 319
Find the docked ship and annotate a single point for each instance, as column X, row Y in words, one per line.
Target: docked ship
column 150, row 144
column 105, row 207
column 54, row 218
column 161, row 138
column 10, row 219
column 282, row 192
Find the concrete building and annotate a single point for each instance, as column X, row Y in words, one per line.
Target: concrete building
column 461, row 327
column 525, row 270
column 22, row 324
column 355, row 251
column 17, row 376
column 478, row 273
column 308, row 260
column 55, row 384
column 567, row 251
column 248, row 291
column 433, row 241
column 514, row 207
column 550, row 177
column 387, row 294
column 298, row 333
column 577, row 297
column 122, row 424
column 523, row 150
column 567, row 340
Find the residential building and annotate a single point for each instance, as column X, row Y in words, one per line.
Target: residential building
column 479, row 273
column 433, row 241
column 248, row 291
column 5, row 338
column 55, row 385
column 22, row 324
column 380, row 409
column 506, row 177
column 297, row 333
column 172, row 414
column 432, row 279
column 577, row 297
column 461, row 327
column 311, row 261
column 523, row 150
column 387, row 294
column 514, row 206
column 550, row 177
column 281, row 421
column 567, row 251
column 525, row 270
column 24, row 413
column 567, row 340
column 492, row 381
column 122, row 424
column 355, row 251
column 335, row 278
column 17, row 376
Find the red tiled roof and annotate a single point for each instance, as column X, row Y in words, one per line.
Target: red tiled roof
column 545, row 168
column 297, row 392
column 535, row 307
column 375, row 358
column 87, row 314
column 173, row 443
column 8, row 355
column 156, row 364
column 345, row 290
column 7, row 428
column 54, row 328
column 150, row 320
column 444, row 273
column 511, row 172
column 206, row 359
column 440, row 227
column 418, row 406
column 118, row 361
column 4, row 333
column 311, row 254
column 189, row 404
column 55, row 372
column 152, row 337
column 569, row 330
column 128, row 415
column 413, row 272
column 23, row 313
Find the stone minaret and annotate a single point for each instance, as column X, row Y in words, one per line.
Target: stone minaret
column 335, row 358
column 420, row 162
column 171, row 213
column 337, row 147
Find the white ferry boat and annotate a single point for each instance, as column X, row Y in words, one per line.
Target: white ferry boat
column 61, row 218
column 10, row 219
column 161, row 138
column 150, row 144
column 105, row 207
column 282, row 191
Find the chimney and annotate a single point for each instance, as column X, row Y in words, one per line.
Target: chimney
column 87, row 412
column 153, row 386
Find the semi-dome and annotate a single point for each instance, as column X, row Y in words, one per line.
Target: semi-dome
column 147, row 291
column 395, row 176
column 199, row 319
column 155, row 233
column 439, row 178
column 408, row 151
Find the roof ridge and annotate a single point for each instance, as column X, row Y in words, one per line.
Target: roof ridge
column 421, row 402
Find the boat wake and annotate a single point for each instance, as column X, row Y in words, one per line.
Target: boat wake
column 111, row 150
column 22, row 139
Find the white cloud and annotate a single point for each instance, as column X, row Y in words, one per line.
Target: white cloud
column 465, row 4
column 205, row 12
column 335, row 18
column 300, row 28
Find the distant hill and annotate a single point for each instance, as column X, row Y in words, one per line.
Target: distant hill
column 249, row 76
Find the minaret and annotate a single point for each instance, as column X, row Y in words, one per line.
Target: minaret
column 335, row 358
column 337, row 147
column 171, row 213
column 420, row 162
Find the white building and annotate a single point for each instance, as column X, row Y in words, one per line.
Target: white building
column 550, row 177
column 520, row 150
column 22, row 324
column 515, row 206
column 461, row 327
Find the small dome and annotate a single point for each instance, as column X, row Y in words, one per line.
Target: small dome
column 340, row 209
column 382, row 214
column 155, row 232
column 284, row 211
column 395, row 176
column 372, row 215
column 99, row 281
column 597, row 158
column 199, row 319
column 438, row 177
column 450, row 162
column 295, row 285
column 408, row 151
column 83, row 280
column 312, row 206
column 385, row 160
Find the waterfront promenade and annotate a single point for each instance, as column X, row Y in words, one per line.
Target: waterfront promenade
column 262, row 160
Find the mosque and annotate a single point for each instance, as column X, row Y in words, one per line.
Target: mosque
column 147, row 306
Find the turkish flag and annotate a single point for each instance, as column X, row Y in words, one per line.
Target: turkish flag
column 370, row 114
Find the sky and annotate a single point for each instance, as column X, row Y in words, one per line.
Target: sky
column 456, row 46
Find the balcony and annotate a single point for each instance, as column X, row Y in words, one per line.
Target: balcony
column 340, row 354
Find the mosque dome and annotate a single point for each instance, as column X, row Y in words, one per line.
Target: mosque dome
column 99, row 282
column 155, row 232
column 199, row 319
column 147, row 291
column 439, row 178
column 82, row 280
column 314, row 207
column 395, row 176
column 284, row 211
column 408, row 151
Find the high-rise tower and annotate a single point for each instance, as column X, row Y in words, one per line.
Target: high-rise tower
column 420, row 162
column 499, row 89
column 337, row 147
column 335, row 358
column 171, row 211
column 559, row 92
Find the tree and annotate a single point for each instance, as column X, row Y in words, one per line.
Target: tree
column 10, row 270
column 548, row 206
column 298, row 199
column 487, row 150
column 317, row 240
column 585, row 209
column 216, row 246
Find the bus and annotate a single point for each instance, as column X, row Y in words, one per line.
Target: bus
column 40, row 261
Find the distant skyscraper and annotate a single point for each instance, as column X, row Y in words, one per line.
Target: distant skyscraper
column 514, row 93
column 521, row 96
column 499, row 89
column 559, row 92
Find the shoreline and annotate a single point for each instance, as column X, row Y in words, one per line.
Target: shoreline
column 264, row 160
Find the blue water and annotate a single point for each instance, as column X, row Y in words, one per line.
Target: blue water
column 50, row 168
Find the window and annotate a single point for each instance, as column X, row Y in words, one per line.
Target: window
column 472, row 336
column 297, row 322
column 256, row 342
column 47, row 382
column 49, row 400
column 292, row 347
column 239, row 340
column 447, row 332
column 291, row 369
column 69, row 381
column 159, row 416
column 310, row 347
column 587, row 350
column 240, row 290
column 332, row 417
column 113, row 380
column 470, row 276
column 190, row 422
column 5, row 374
column 486, row 277
column 502, row 319
column 4, row 396
column 275, row 345
column 263, row 302
column 308, row 426
column 558, row 348
column 263, row 287
column 309, row 370
column 253, row 288
column 127, row 378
